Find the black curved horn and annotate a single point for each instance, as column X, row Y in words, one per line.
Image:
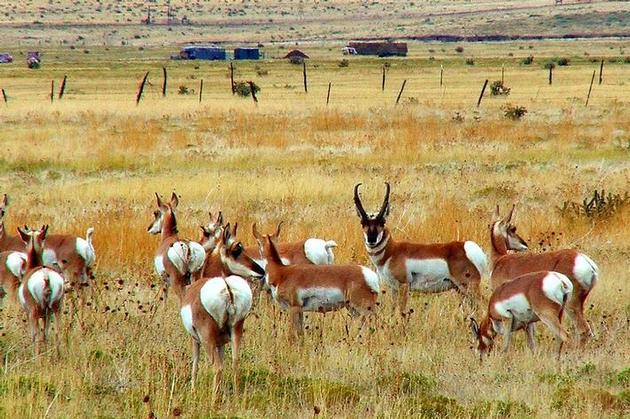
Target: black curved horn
column 357, row 203
column 384, row 212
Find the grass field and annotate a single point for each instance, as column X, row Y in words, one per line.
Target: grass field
column 94, row 158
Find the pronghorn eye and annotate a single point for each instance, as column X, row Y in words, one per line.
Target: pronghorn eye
column 156, row 213
column 512, row 229
column 237, row 250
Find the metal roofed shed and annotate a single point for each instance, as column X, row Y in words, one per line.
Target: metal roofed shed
column 382, row 49
column 203, row 52
column 246, row 53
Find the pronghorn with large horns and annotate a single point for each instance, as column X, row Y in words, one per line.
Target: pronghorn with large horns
column 73, row 256
column 319, row 288
column 405, row 266
column 577, row 266
column 214, row 309
column 42, row 288
column 523, row 301
column 177, row 261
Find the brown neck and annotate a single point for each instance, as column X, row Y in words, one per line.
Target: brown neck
column 169, row 226
column 33, row 257
column 486, row 328
column 499, row 248
column 214, row 266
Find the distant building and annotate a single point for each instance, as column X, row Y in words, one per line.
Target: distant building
column 348, row 51
column 382, row 49
column 5, row 58
column 202, row 52
column 246, row 53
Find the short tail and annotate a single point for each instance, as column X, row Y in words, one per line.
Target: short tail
column 477, row 257
column 329, row 246
column 88, row 236
column 46, row 293
column 231, row 309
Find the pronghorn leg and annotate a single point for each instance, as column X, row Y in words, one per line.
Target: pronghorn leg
column 57, row 331
column 34, row 322
column 218, row 372
column 576, row 309
column 297, row 322
column 195, row 362
column 508, row 334
column 237, row 334
column 552, row 321
column 531, row 340
column 403, row 296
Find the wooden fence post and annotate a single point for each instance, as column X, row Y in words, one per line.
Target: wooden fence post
column 502, row 74
column 589, row 89
column 305, row 81
column 232, row 77
column 4, row 96
column 52, row 91
column 483, row 89
column 253, row 91
column 601, row 72
column 383, row 81
column 62, row 89
column 401, row 91
column 200, row 89
column 441, row 74
column 141, row 88
column 550, row 74
column 164, row 81
column 328, row 95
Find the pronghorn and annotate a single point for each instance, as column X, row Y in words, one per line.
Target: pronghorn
column 578, row 267
column 42, row 288
column 319, row 288
column 215, row 308
column 73, row 256
column 432, row 267
column 177, row 261
column 12, row 269
column 8, row 242
column 312, row 251
column 211, row 233
column 526, row 299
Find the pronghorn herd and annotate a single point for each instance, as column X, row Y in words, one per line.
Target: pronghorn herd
column 216, row 278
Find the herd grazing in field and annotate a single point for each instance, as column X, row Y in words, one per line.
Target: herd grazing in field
column 217, row 279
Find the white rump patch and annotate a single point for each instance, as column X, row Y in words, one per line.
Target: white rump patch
column 556, row 286
column 16, row 263
column 516, row 306
column 197, row 256
column 215, row 299
column 428, row 275
column 179, row 256
column 585, row 271
column 36, row 285
column 321, row 299
column 477, row 257
column 319, row 251
column 371, row 279
column 158, row 262
column 86, row 251
column 187, row 320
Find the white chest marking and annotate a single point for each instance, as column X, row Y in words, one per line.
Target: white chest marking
column 387, row 276
column 428, row 275
column 321, row 299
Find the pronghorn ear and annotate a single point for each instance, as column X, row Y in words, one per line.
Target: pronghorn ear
column 5, row 200
column 474, row 327
column 255, row 232
column 44, row 232
column 24, row 234
column 174, row 200
column 220, row 218
column 509, row 219
column 226, row 233
column 277, row 233
column 160, row 204
column 497, row 215
column 234, row 229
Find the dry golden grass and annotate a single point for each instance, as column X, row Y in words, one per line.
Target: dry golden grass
column 96, row 159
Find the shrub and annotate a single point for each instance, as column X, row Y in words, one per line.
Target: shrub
column 627, row 60
column 514, row 112
column 470, row 61
column 242, row 88
column 183, row 90
column 528, row 60
column 497, row 88
column 459, row 49
column 563, row 61
column 599, row 205
column 343, row 63
column 550, row 64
